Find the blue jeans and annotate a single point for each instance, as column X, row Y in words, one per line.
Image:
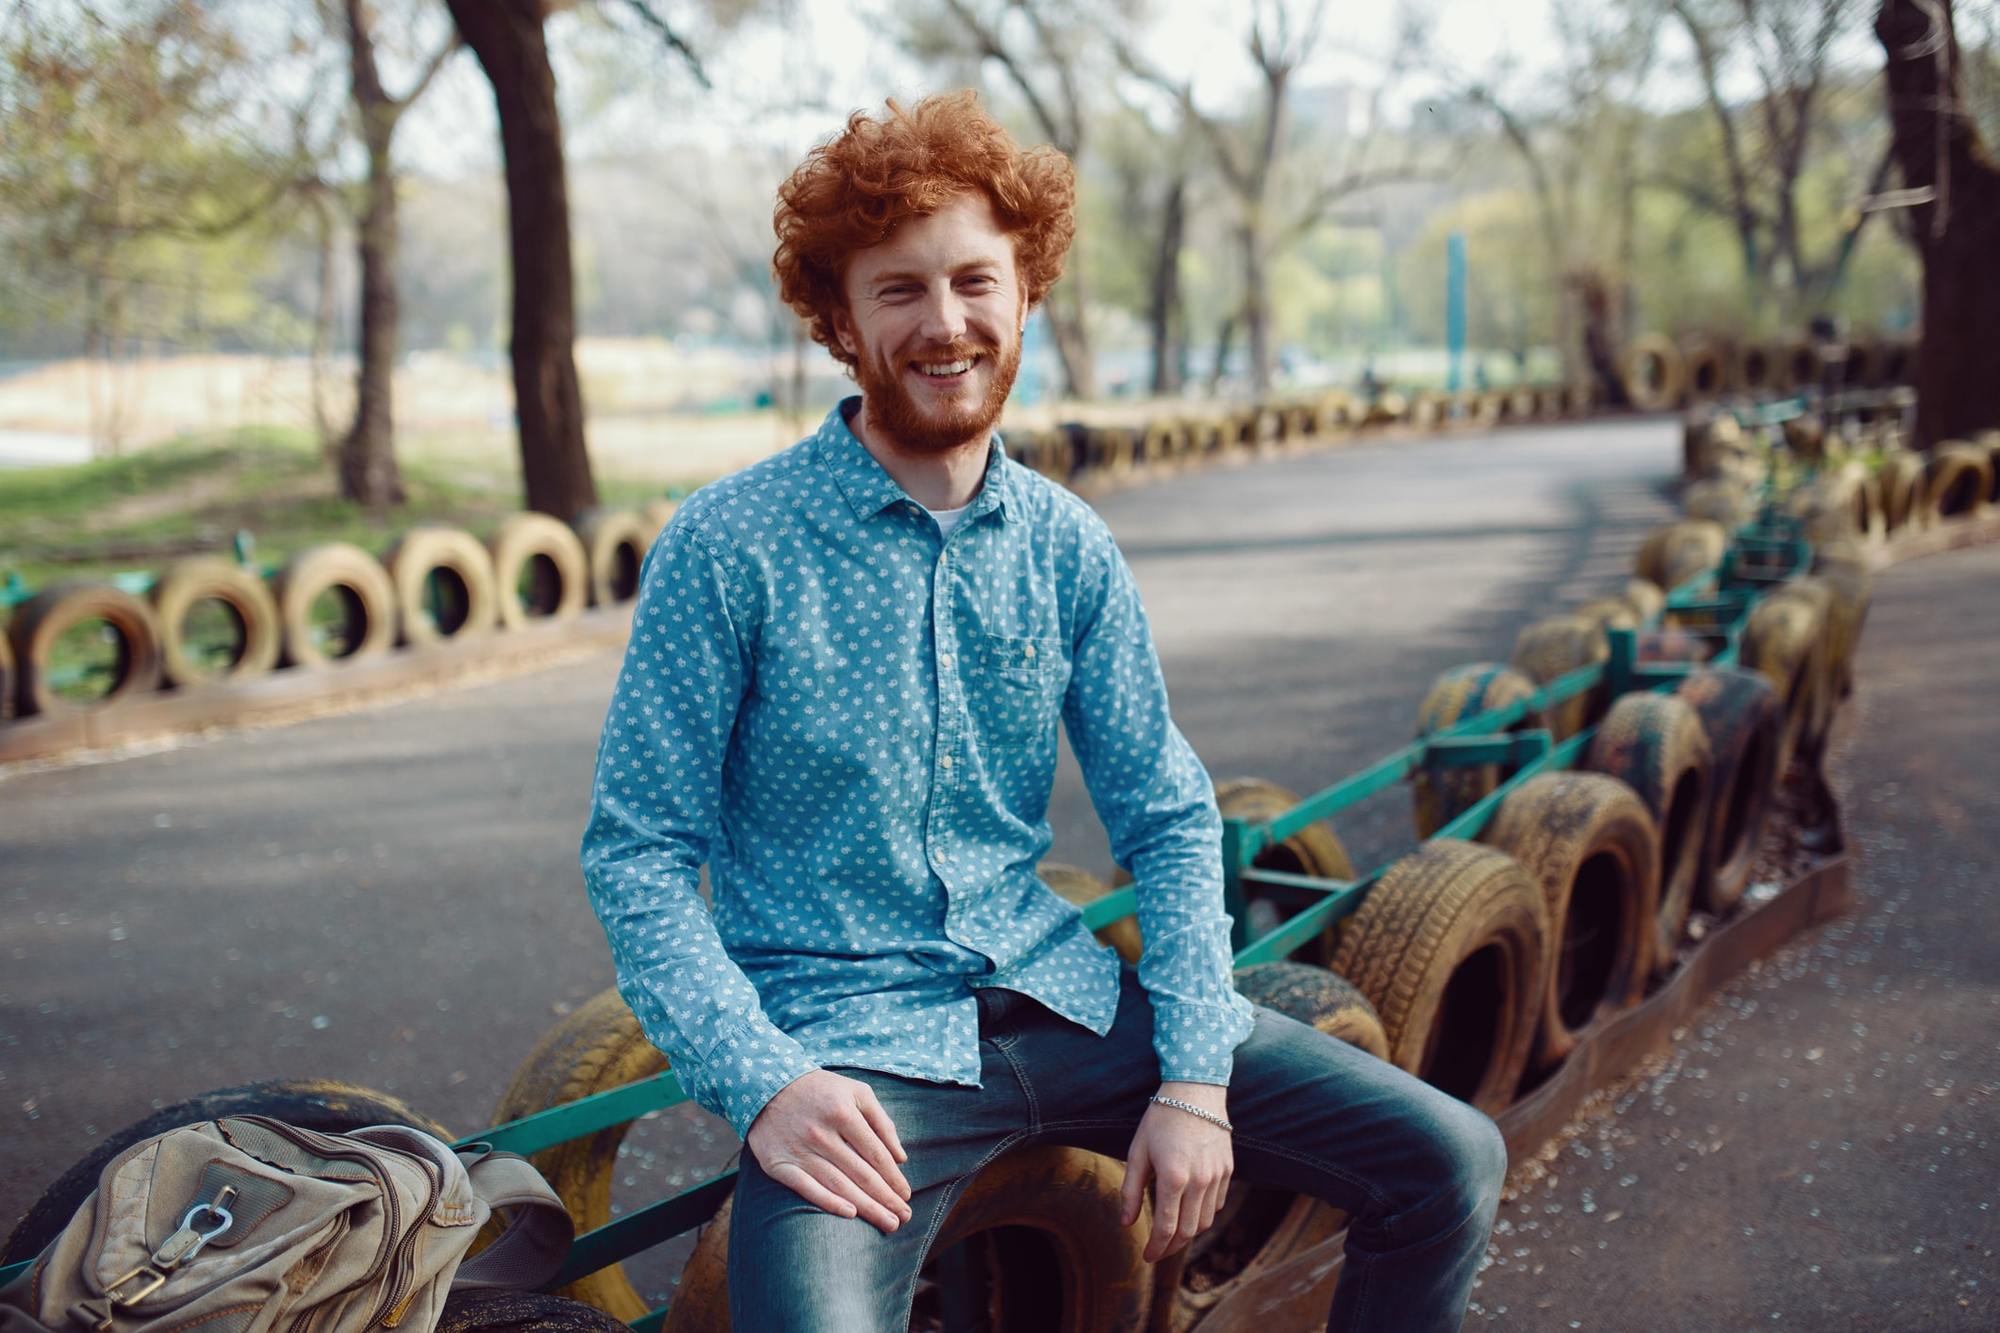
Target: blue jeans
column 1419, row 1172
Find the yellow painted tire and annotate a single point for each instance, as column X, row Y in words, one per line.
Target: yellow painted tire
column 1704, row 370
column 1646, row 598
column 1901, row 478
column 1314, row 850
column 1956, row 483
column 597, row 1047
column 1744, row 721
column 1553, row 647
column 548, row 553
column 1450, row 946
column 1754, row 368
column 1654, row 373
column 368, row 604
column 1798, row 364
column 1082, row 888
column 1441, row 793
column 1655, row 745
column 41, row 621
column 10, row 679
column 1609, row 613
column 1723, row 502
column 1593, row 849
column 615, row 545
column 186, row 584
column 470, row 603
column 1784, row 640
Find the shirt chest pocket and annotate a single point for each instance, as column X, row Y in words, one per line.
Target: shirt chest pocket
column 1014, row 687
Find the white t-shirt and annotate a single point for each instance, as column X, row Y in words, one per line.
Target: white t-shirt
column 947, row 519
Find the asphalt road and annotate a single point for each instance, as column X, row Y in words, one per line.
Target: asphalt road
column 391, row 897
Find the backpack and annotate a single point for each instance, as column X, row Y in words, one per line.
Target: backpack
column 250, row 1225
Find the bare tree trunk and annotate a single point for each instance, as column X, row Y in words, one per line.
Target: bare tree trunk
column 1957, row 229
column 322, row 341
column 507, row 37
column 1164, row 311
column 1225, row 337
column 1066, row 324
column 367, row 465
column 1257, row 308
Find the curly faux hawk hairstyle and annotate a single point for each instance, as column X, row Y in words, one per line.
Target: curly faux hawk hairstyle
column 854, row 190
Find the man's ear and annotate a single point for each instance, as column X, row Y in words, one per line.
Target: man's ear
column 843, row 332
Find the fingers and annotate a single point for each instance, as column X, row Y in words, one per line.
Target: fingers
column 874, row 1137
column 1169, row 1191
column 885, row 1128
column 878, row 1191
column 1137, row 1167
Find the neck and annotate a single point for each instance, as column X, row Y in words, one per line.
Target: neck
column 945, row 480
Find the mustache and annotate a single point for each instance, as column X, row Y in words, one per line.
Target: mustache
column 960, row 350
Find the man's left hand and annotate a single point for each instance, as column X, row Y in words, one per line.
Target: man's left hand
column 1188, row 1162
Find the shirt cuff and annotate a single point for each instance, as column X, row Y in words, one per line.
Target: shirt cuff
column 1196, row 1043
column 744, row 1070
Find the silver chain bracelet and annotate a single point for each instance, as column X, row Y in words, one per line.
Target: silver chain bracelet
column 1192, row 1109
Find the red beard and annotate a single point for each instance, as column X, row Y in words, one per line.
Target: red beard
column 912, row 429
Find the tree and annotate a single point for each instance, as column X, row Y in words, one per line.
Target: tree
column 366, row 456
column 1951, row 186
column 1255, row 159
column 507, row 37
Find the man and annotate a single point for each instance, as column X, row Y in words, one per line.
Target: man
column 841, row 692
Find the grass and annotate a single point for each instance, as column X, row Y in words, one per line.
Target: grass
column 139, row 512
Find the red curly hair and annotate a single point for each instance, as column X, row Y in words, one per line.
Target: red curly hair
column 854, row 190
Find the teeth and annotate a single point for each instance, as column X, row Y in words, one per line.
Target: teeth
column 948, row 367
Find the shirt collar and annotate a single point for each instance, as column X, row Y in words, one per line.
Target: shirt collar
column 867, row 484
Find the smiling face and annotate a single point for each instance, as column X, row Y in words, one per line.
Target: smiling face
column 933, row 320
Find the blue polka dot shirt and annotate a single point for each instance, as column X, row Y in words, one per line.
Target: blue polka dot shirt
column 852, row 721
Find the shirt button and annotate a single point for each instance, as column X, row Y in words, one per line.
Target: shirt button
column 1028, row 650
column 945, row 660
column 945, row 764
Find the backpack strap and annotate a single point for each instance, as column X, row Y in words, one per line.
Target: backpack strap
column 538, row 1229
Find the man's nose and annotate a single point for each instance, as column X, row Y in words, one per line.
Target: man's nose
column 944, row 315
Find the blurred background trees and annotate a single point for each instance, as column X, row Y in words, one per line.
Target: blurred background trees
column 475, row 242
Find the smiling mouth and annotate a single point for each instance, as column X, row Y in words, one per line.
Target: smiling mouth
column 946, row 370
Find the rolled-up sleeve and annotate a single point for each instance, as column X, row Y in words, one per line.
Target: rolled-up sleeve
column 1158, row 806
column 654, row 813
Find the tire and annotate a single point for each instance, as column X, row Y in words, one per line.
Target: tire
column 1654, row 744
column 1083, row 888
column 1757, row 368
column 41, row 621
column 547, row 551
column 1442, row 793
column 1990, row 442
column 188, row 583
column 1899, row 364
column 1313, row 850
column 1798, row 364
column 1115, row 449
column 597, row 1047
column 1295, row 423
column 1805, row 436
column 1521, row 405
column 1161, row 445
column 485, row 1310
column 1719, row 501
column 1427, row 412
column 1488, row 409
column 1335, row 414
column 1654, row 373
column 1450, row 946
column 1672, row 644
column 1847, row 572
column 1901, row 478
column 1744, row 722
column 1690, row 549
column 1046, row 1247
column 1593, row 848
column 1552, row 648
column 1704, row 371
column 1864, row 365
column 320, row 1104
column 615, row 543
column 1959, row 477
column 464, row 572
column 1817, row 595
column 368, row 604
column 1609, row 613
column 1257, row 1229
column 1646, row 598
column 1783, row 641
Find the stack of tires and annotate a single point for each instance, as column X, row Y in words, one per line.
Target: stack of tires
column 1661, row 374
column 209, row 621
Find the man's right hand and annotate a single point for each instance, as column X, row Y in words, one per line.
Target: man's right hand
column 827, row 1139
